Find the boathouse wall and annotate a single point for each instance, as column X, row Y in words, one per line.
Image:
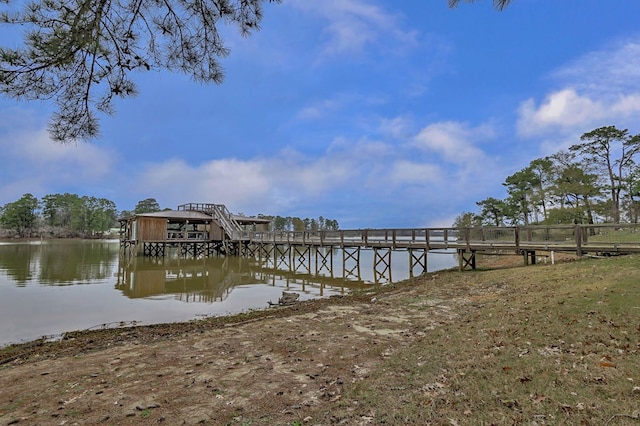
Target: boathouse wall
column 216, row 233
column 151, row 229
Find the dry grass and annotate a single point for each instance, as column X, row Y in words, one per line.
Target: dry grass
column 544, row 345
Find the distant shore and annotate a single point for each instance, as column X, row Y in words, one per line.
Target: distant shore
column 49, row 238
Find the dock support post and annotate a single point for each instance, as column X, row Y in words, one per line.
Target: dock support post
column 302, row 259
column 382, row 265
column 351, row 271
column 579, row 238
column 282, row 257
column 529, row 255
column 464, row 261
column 417, row 258
column 324, row 260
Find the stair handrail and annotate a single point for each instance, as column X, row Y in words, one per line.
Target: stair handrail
column 224, row 216
column 219, row 212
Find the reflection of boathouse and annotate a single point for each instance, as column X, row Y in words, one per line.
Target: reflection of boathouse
column 213, row 279
column 195, row 229
column 189, row 280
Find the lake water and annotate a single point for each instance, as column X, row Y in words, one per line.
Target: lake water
column 50, row 287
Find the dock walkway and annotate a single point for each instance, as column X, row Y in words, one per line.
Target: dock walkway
column 522, row 240
column 202, row 230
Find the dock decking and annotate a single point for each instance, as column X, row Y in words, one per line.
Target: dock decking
column 202, row 230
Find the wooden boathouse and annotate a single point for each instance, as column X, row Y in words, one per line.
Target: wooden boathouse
column 195, row 229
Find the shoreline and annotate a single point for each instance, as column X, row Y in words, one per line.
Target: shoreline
column 485, row 262
column 19, row 240
column 488, row 346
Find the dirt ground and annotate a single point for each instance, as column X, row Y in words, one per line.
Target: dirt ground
column 286, row 365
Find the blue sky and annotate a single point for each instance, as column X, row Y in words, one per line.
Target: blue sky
column 376, row 113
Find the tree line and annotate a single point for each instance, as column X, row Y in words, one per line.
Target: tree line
column 594, row 181
column 58, row 215
column 70, row 215
column 280, row 223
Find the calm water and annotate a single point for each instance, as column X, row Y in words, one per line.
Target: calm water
column 47, row 288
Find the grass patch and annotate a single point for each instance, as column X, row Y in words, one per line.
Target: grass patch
column 558, row 345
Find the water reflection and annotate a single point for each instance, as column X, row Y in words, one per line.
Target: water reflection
column 193, row 280
column 212, row 279
column 63, row 262
column 50, row 287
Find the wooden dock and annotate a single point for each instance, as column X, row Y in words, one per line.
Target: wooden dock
column 467, row 242
column 203, row 230
column 581, row 239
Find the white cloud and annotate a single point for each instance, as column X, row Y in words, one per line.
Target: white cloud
column 363, row 151
column 23, row 139
column 33, row 163
column 354, row 25
column 319, row 109
column 396, row 127
column 600, row 88
column 422, row 174
column 560, row 110
column 360, row 170
column 627, row 105
column 339, row 103
column 566, row 111
column 83, row 160
column 453, row 142
column 11, row 191
column 613, row 69
column 246, row 185
column 463, row 171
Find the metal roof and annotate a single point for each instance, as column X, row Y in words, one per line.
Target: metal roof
column 197, row 215
column 177, row 214
column 242, row 220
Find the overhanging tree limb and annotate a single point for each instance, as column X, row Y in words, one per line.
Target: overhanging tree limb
column 80, row 53
column 498, row 4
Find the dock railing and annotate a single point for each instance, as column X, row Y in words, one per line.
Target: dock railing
column 606, row 238
column 220, row 213
column 400, row 238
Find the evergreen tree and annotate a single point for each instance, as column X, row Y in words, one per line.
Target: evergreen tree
column 149, row 205
column 21, row 215
column 612, row 150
